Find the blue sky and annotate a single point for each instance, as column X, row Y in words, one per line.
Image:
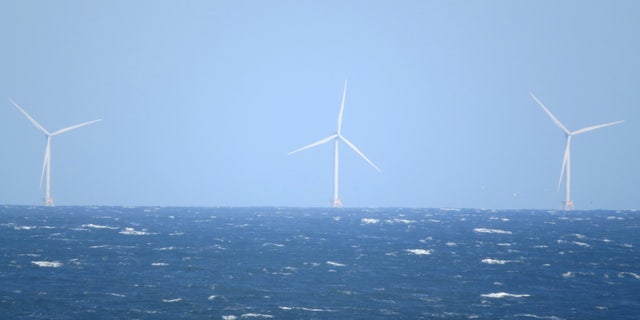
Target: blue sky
column 202, row 100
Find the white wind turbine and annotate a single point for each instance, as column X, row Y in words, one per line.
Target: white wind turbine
column 566, row 161
column 46, row 166
column 336, row 137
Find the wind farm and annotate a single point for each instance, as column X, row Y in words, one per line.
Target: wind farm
column 336, row 138
column 566, row 160
column 46, row 165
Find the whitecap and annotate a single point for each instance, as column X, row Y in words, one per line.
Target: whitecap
column 582, row 244
column 159, row 264
column 172, row 300
column 117, row 295
column 255, row 315
column 23, row 227
column 538, row 317
column 48, row 264
column 335, row 264
column 100, row 246
column 450, row 244
column 229, row 317
column 97, row 226
column 486, row 230
column 494, row 261
column 133, row 232
column 33, row 255
column 306, row 309
column 419, row 251
column 369, row 220
column 279, row 245
column 405, row 221
column 166, row 248
column 214, row 297
column 623, row 274
column 500, row 295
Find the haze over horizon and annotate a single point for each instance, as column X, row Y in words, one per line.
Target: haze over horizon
column 202, row 100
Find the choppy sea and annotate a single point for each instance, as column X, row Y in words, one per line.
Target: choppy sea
column 298, row 263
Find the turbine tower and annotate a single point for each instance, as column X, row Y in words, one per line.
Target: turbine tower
column 337, row 137
column 566, row 161
column 46, row 166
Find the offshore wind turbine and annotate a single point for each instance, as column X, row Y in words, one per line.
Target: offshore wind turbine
column 566, row 161
column 46, row 166
column 336, row 138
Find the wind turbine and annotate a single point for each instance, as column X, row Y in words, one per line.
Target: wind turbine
column 46, row 166
column 566, row 161
column 337, row 137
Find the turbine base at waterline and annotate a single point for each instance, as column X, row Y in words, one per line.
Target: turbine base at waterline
column 568, row 205
column 337, row 203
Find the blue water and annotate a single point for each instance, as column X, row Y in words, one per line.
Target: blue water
column 294, row 263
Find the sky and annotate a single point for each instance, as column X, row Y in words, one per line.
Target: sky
column 201, row 101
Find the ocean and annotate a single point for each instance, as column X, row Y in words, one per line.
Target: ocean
column 301, row 263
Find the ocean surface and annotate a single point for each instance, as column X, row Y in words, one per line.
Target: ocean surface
column 297, row 263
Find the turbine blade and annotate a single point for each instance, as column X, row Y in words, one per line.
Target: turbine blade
column 567, row 149
column 344, row 94
column 33, row 121
column 583, row 130
column 74, row 127
column 358, row 151
column 47, row 154
column 317, row 143
column 555, row 120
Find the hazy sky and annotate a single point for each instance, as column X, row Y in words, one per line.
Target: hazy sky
column 202, row 100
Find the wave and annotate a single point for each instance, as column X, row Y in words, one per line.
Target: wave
column 133, row 232
column 405, row 221
column 582, row 244
column 117, row 295
column 97, row 226
column 335, row 264
column 486, row 230
column 307, row 309
column 48, row 264
column 538, row 317
column 624, row 274
column 494, row 261
column 255, row 315
column 279, row 245
column 369, row 220
column 500, row 295
column 419, row 251
column 571, row 274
